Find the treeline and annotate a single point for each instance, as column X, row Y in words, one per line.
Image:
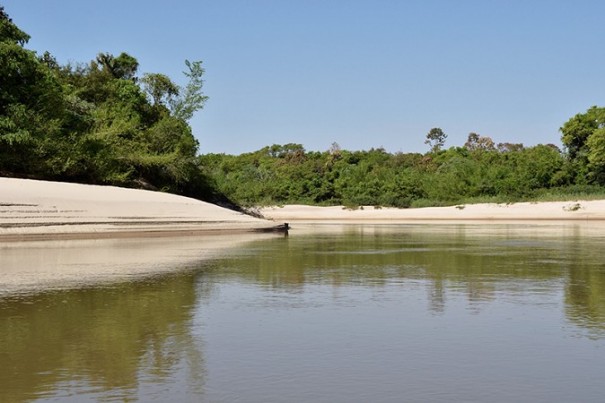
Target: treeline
column 98, row 122
column 478, row 171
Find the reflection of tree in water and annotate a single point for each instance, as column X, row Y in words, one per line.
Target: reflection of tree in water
column 437, row 296
column 481, row 268
column 110, row 339
column 585, row 297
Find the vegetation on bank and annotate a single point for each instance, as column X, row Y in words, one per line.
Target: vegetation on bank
column 103, row 122
column 100, row 122
column 477, row 172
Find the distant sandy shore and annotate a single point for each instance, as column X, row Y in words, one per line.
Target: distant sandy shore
column 32, row 209
column 592, row 210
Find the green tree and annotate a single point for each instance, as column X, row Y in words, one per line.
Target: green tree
column 596, row 155
column 160, row 88
column 9, row 32
column 584, row 151
column 475, row 142
column 94, row 123
column 192, row 97
column 124, row 66
column 31, row 102
column 435, row 138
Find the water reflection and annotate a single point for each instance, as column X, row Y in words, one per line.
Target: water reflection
column 104, row 343
column 384, row 312
column 501, row 261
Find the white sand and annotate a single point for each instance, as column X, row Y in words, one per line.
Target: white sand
column 32, row 208
column 544, row 211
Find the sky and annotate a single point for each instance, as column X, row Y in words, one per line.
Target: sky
column 363, row 74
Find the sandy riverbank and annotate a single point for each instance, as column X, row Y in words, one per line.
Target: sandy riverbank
column 593, row 210
column 32, row 209
column 73, row 219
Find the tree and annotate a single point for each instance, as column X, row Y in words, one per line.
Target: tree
column 584, row 151
column 93, row 123
column 596, row 155
column 31, row 101
column 575, row 131
column 539, row 166
column 510, row 147
column 435, row 139
column 192, row 98
column 122, row 67
column 160, row 88
column 9, row 32
column 476, row 142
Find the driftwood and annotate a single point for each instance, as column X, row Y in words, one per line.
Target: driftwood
column 282, row 228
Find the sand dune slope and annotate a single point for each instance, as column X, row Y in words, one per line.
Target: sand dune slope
column 32, row 208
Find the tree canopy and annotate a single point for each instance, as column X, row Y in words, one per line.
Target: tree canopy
column 584, row 138
column 94, row 122
column 435, row 138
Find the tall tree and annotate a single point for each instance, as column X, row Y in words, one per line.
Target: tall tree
column 124, row 66
column 435, row 138
column 583, row 137
column 475, row 142
column 9, row 32
column 160, row 88
column 192, row 98
column 596, row 155
column 30, row 101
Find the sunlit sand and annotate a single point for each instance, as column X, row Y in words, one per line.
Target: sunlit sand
column 580, row 210
column 32, row 209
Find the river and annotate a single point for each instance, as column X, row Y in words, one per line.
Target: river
column 380, row 313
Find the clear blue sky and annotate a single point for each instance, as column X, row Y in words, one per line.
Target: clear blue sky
column 360, row 73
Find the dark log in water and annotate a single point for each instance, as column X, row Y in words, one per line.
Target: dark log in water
column 282, row 228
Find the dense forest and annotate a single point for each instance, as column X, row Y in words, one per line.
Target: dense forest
column 478, row 171
column 98, row 122
column 102, row 122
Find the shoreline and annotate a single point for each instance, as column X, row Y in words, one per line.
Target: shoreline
column 101, row 234
column 44, row 210
column 137, row 234
column 526, row 212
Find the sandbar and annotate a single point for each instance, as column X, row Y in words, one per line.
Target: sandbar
column 45, row 210
column 42, row 210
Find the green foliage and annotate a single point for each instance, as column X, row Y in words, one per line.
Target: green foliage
column 596, row 154
column 435, row 138
column 121, row 67
column 192, row 98
column 583, row 137
column 289, row 175
column 30, row 102
column 476, row 142
column 93, row 123
column 9, row 32
column 159, row 87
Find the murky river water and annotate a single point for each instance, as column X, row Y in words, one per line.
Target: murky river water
column 438, row 313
